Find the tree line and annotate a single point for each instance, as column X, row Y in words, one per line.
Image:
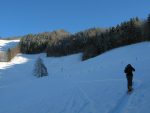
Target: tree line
column 91, row 42
column 37, row 43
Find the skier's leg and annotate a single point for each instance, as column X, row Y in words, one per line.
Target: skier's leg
column 130, row 83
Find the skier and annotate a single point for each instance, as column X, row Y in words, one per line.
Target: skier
column 129, row 75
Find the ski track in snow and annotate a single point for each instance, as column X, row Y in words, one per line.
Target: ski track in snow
column 88, row 99
column 119, row 107
column 122, row 102
column 78, row 102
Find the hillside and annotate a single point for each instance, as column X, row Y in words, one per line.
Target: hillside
column 97, row 85
column 91, row 42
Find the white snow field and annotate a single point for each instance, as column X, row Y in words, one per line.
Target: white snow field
column 97, row 85
column 5, row 44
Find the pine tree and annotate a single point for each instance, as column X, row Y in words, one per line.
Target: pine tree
column 40, row 69
column 148, row 24
column 148, row 20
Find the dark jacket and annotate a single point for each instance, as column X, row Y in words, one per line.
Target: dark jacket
column 128, row 70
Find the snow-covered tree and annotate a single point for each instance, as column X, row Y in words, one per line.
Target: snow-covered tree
column 40, row 69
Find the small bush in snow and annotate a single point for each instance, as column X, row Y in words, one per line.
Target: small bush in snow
column 40, row 69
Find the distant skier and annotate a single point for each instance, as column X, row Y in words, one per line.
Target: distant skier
column 129, row 75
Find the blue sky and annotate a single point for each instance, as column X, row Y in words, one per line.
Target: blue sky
column 20, row 17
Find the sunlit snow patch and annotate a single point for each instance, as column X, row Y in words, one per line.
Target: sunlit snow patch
column 16, row 60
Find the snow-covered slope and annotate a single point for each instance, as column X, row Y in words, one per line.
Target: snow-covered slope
column 97, row 85
column 5, row 44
